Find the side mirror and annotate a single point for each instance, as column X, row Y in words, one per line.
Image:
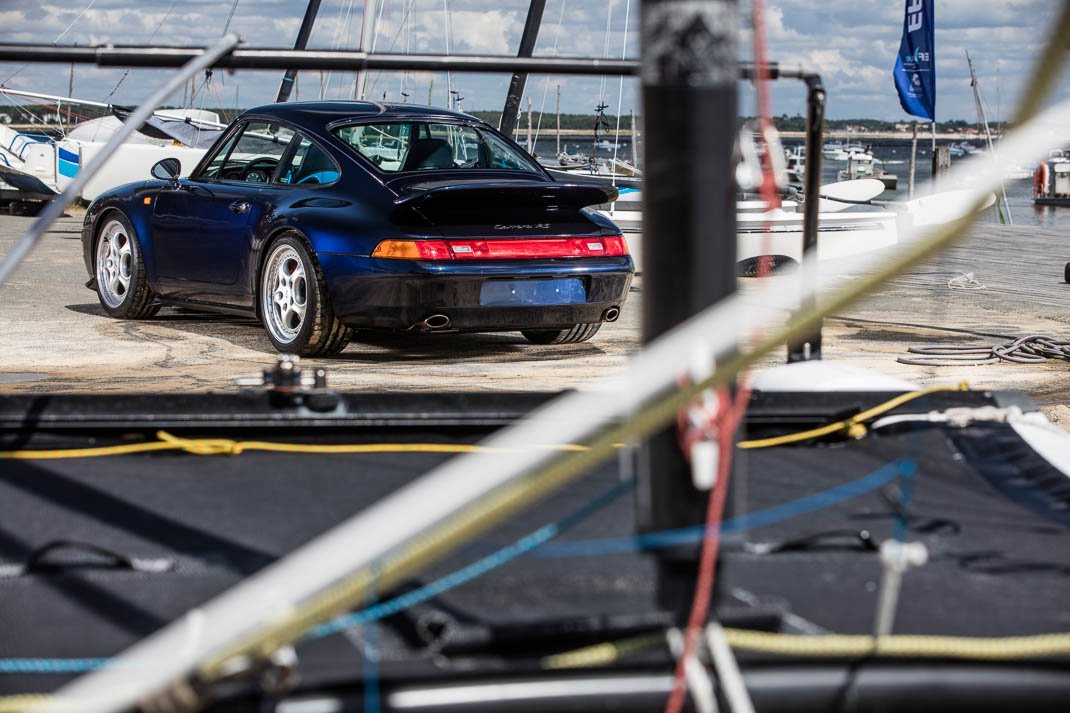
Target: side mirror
column 167, row 169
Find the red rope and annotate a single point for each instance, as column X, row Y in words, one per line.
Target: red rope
column 59, row 108
column 726, row 421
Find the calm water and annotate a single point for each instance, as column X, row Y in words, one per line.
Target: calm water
column 896, row 157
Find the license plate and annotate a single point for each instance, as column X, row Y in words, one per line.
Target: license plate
column 517, row 293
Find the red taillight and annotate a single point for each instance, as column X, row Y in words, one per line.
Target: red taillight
column 501, row 248
column 616, row 246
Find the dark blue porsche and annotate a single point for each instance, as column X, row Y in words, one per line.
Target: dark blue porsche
column 323, row 217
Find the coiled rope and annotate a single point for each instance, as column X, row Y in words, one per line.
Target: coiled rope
column 1030, row 349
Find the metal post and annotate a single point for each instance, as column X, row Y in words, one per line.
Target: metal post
column 302, row 41
column 635, row 140
column 520, row 79
column 689, row 74
column 530, row 147
column 809, row 347
column 941, row 163
column 913, row 159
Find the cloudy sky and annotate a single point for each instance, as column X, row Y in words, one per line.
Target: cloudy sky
column 852, row 43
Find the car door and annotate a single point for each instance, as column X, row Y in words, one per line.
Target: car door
column 202, row 225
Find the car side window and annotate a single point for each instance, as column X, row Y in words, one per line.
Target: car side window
column 308, row 165
column 212, row 168
column 253, row 155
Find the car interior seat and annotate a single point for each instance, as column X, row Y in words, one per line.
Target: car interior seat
column 429, row 153
column 316, row 167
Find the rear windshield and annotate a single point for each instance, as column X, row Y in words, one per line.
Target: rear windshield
column 427, row 146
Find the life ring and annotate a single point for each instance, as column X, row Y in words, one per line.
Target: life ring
column 1040, row 181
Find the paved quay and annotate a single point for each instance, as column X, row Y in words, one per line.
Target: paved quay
column 60, row 340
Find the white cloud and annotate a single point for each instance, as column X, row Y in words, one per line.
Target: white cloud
column 852, row 42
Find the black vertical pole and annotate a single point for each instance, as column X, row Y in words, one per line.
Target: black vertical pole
column 302, row 42
column 690, row 78
column 516, row 85
column 809, row 347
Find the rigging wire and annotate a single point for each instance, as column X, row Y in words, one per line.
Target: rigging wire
column 233, row 7
column 402, row 27
column 546, row 81
column 620, row 91
column 344, row 9
column 605, row 48
column 449, row 37
column 107, row 99
column 59, row 37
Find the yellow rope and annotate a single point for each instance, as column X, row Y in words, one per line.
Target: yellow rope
column 970, row 648
column 951, row 647
column 601, row 654
column 21, row 703
column 852, row 427
column 226, row 446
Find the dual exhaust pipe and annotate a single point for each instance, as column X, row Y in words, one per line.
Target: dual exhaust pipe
column 438, row 322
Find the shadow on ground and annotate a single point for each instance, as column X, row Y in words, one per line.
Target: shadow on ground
column 366, row 347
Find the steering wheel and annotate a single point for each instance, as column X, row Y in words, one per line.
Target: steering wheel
column 259, row 170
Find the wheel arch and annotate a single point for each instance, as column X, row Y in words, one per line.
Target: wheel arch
column 137, row 213
column 261, row 254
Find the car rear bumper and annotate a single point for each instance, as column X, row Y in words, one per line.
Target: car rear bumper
column 373, row 293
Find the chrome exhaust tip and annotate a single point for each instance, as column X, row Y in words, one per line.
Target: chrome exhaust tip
column 436, row 322
column 611, row 314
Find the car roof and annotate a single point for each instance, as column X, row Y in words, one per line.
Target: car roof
column 318, row 114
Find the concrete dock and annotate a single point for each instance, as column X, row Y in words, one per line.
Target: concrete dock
column 58, row 339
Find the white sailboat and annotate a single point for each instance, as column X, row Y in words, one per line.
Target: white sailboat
column 35, row 166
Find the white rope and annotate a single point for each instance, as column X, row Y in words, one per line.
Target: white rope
column 965, row 281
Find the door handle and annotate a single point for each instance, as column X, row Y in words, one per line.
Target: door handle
column 239, row 207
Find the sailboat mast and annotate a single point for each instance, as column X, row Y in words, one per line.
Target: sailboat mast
column 558, row 152
column 984, row 123
column 520, row 79
column 302, row 41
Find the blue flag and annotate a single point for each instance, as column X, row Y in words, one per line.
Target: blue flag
column 915, row 67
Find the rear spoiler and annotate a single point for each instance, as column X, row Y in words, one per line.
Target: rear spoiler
column 493, row 200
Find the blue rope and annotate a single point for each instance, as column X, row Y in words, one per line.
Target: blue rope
column 466, row 574
column 51, row 665
column 539, row 539
column 761, row 518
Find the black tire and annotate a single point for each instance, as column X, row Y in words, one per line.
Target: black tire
column 119, row 270
column 318, row 332
column 573, row 335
